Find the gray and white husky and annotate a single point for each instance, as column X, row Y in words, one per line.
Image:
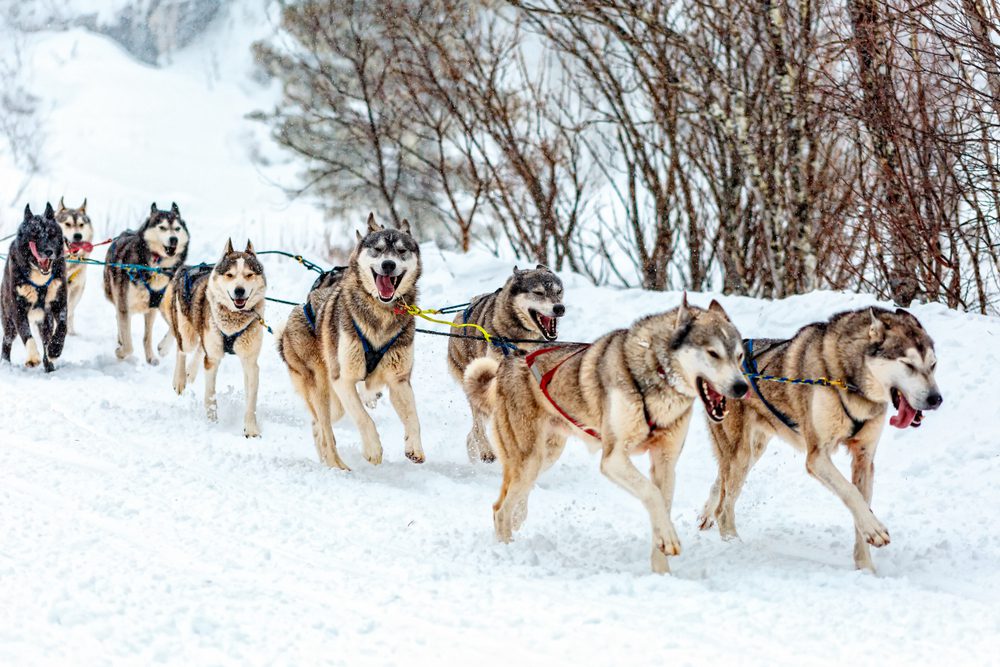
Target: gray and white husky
column 882, row 357
column 527, row 307
column 161, row 243
column 78, row 233
column 348, row 331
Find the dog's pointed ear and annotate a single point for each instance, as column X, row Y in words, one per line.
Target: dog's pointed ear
column 27, row 212
column 83, row 206
column 358, row 234
column 153, row 209
column 50, row 214
column 516, row 270
column 716, row 307
column 405, row 226
column 542, row 267
column 62, row 206
column 229, row 247
column 683, row 313
column 175, row 209
column 876, row 330
column 372, row 225
column 249, row 249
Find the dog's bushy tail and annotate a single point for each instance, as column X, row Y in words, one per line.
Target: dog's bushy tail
column 481, row 385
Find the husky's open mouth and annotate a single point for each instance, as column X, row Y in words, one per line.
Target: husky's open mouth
column 44, row 263
column 549, row 326
column 715, row 403
column 907, row 415
column 387, row 285
column 171, row 250
column 240, row 303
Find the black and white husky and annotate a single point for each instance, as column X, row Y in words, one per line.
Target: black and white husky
column 33, row 292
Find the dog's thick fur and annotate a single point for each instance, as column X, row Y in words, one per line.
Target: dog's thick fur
column 327, row 363
column 77, row 230
column 528, row 306
column 161, row 242
column 636, row 387
column 203, row 305
column 33, row 292
column 887, row 355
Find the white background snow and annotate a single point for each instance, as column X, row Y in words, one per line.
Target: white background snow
column 134, row 531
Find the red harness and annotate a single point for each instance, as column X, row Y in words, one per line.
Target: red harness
column 545, row 378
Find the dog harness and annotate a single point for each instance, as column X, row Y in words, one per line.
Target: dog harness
column 189, row 279
column 39, row 289
column 310, row 313
column 229, row 340
column 499, row 342
column 544, row 379
column 373, row 355
column 750, row 372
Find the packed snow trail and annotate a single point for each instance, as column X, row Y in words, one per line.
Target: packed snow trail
column 131, row 529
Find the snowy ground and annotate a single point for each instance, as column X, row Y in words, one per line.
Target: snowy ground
column 132, row 529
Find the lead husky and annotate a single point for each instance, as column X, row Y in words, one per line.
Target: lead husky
column 162, row 243
column 881, row 356
column 348, row 332
column 33, row 292
column 214, row 311
column 630, row 392
column 78, row 233
column 528, row 306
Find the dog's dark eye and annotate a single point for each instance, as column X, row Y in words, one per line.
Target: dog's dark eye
column 713, row 354
column 910, row 367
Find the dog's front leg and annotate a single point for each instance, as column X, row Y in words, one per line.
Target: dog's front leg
column 863, row 477
column 124, row 331
column 347, row 391
column 180, row 371
column 664, row 449
column 616, row 466
column 211, row 371
column 147, row 338
column 33, row 343
column 820, row 466
column 251, row 380
column 401, row 396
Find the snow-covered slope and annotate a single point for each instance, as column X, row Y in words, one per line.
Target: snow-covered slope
column 132, row 529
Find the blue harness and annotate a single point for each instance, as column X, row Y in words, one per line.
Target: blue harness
column 39, row 289
column 155, row 295
column 310, row 313
column 498, row 341
column 750, row 371
column 229, row 340
column 373, row 355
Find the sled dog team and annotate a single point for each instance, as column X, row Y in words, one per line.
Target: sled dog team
column 630, row 392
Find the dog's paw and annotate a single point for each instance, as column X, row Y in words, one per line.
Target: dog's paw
column 371, row 399
column 373, row 455
column 487, row 456
column 249, row 432
column 874, row 532
column 415, row 456
column 667, row 543
column 49, row 366
column 152, row 361
column 333, row 460
column 31, row 362
column 212, row 413
column 121, row 352
column 705, row 522
column 659, row 562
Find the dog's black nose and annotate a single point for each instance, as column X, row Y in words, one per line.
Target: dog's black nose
column 239, row 292
column 172, row 240
column 77, row 237
column 740, row 389
column 935, row 400
column 559, row 310
column 388, row 266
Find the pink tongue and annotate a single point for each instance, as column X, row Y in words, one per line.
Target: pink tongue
column 385, row 287
column 905, row 415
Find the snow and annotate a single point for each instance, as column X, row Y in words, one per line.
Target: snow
column 134, row 531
